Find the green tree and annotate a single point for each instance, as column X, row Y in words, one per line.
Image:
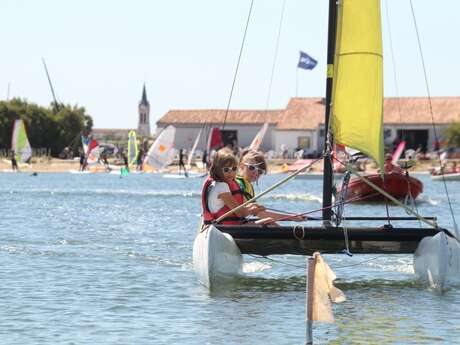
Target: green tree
column 44, row 128
column 452, row 134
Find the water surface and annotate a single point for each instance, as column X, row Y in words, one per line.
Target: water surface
column 98, row 259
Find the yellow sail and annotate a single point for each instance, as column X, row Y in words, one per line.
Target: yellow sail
column 357, row 100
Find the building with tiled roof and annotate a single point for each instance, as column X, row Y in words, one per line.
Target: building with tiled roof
column 301, row 123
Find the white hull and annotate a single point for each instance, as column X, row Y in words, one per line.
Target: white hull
column 447, row 177
column 437, row 261
column 216, row 257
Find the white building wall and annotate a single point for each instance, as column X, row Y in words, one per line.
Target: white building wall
column 186, row 135
column 290, row 138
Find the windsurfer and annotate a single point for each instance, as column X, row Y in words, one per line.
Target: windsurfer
column 252, row 166
column 181, row 162
column 221, row 193
column 14, row 163
column 125, row 161
column 106, row 162
column 139, row 159
column 83, row 162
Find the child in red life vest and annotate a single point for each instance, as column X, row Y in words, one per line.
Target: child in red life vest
column 221, row 193
column 252, row 166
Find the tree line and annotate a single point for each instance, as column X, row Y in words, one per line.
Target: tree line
column 45, row 127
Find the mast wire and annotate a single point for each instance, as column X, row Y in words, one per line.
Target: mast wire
column 457, row 233
column 238, row 64
column 275, row 56
column 393, row 61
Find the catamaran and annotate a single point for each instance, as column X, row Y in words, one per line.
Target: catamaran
column 354, row 118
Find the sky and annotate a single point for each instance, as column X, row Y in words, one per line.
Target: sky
column 99, row 53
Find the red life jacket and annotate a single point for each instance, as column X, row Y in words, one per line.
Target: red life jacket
column 208, row 216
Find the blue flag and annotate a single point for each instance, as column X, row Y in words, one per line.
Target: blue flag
column 306, row 61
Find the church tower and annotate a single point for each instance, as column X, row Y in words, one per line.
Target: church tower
column 143, row 126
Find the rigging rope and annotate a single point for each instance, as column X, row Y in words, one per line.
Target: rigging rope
column 457, row 233
column 238, row 64
column 276, row 55
column 394, row 66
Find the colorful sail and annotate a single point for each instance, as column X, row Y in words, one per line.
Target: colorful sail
column 132, row 148
column 19, row 143
column 258, row 138
column 192, row 151
column 93, row 151
column 399, row 150
column 357, row 101
column 215, row 140
column 161, row 152
column 85, row 143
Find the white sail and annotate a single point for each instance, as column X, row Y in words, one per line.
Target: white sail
column 258, row 138
column 161, row 152
column 192, row 151
column 19, row 142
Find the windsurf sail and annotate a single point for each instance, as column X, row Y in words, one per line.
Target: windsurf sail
column 399, row 150
column 192, row 151
column 215, row 140
column 161, row 153
column 19, row 142
column 85, row 143
column 132, row 148
column 357, row 99
column 258, row 138
column 93, row 151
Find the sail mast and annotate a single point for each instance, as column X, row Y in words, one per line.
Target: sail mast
column 55, row 105
column 327, row 180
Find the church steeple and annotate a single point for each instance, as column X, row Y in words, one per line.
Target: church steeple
column 143, row 126
column 144, row 97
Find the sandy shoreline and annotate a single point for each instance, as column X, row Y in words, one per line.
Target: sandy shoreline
column 55, row 165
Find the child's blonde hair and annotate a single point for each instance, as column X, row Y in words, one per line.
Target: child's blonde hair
column 256, row 158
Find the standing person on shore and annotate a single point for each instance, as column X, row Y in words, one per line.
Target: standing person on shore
column 125, row 160
column 181, row 162
column 139, row 159
column 252, row 166
column 204, row 160
column 14, row 163
column 106, row 162
column 82, row 160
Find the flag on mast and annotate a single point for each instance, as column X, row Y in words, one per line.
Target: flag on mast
column 306, row 61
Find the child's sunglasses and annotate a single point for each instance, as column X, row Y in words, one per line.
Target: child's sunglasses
column 254, row 168
column 228, row 169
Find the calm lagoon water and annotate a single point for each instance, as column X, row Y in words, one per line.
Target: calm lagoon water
column 99, row 259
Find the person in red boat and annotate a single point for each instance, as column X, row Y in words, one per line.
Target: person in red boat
column 389, row 167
